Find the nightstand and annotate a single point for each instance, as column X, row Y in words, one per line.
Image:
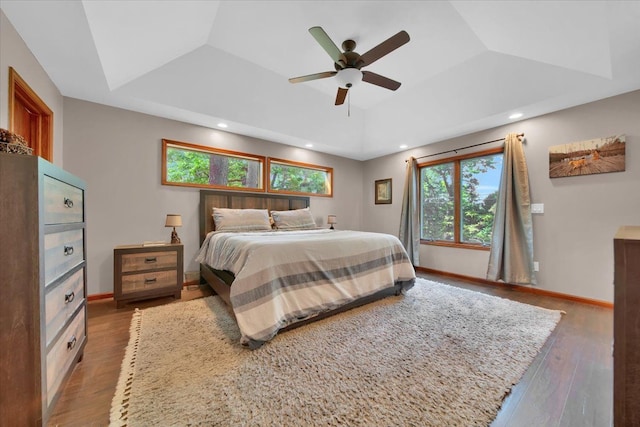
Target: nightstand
column 141, row 272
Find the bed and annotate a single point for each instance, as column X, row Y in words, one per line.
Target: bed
column 277, row 279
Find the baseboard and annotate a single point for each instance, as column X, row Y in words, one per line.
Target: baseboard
column 472, row 279
column 107, row 295
column 96, row 297
column 518, row 288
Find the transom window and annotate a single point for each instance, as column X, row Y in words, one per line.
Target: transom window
column 194, row 165
column 199, row 166
column 458, row 197
column 290, row 177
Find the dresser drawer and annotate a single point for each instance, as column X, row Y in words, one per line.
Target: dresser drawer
column 62, row 251
column 61, row 355
column 149, row 261
column 63, row 203
column 146, row 281
column 61, row 302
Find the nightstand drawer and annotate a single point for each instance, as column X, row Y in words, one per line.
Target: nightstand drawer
column 62, row 302
column 61, row 356
column 62, row 251
column 146, row 281
column 149, row 261
column 63, row 203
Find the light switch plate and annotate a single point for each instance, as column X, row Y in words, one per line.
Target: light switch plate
column 537, row 208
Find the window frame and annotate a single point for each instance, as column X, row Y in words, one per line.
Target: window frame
column 302, row 165
column 207, row 149
column 457, row 191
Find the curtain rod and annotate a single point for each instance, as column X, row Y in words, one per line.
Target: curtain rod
column 464, row 148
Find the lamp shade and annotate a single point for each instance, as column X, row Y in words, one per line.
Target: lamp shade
column 331, row 219
column 173, row 220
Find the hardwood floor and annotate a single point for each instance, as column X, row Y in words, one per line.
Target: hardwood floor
column 570, row 382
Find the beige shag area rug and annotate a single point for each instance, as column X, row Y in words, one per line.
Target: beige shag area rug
column 438, row 356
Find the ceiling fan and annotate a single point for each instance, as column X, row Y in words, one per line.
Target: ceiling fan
column 349, row 63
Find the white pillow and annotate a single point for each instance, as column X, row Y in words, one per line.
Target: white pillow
column 298, row 219
column 241, row 219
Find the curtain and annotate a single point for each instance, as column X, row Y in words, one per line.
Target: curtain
column 409, row 219
column 511, row 257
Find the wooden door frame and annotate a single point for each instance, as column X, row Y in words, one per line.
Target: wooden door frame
column 20, row 90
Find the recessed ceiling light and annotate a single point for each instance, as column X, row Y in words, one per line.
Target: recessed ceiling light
column 515, row 116
column 222, row 125
column 308, row 145
column 403, row 146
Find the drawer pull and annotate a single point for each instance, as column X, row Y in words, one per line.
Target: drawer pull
column 68, row 250
column 71, row 343
column 150, row 260
column 148, row 281
column 70, row 296
column 68, row 203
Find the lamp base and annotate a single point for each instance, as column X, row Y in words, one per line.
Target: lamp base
column 174, row 237
column 331, row 228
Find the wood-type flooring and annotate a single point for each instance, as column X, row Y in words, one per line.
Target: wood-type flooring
column 570, row 382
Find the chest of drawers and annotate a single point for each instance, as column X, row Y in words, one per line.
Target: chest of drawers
column 626, row 326
column 141, row 272
column 43, row 277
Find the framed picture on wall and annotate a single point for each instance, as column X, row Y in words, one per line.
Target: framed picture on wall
column 588, row 157
column 383, row 191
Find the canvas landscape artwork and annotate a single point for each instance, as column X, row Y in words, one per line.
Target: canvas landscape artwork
column 592, row 156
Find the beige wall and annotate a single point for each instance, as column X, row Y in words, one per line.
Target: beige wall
column 573, row 238
column 118, row 154
column 15, row 53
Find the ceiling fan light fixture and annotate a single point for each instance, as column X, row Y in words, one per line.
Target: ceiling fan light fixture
column 348, row 77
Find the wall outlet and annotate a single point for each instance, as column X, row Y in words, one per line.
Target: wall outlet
column 536, row 266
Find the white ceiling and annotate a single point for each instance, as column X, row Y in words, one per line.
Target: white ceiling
column 468, row 66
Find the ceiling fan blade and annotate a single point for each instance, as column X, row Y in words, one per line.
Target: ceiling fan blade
column 329, row 46
column 315, row 76
column 387, row 46
column 342, row 94
column 378, row 80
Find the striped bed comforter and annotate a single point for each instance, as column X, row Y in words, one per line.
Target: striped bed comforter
column 285, row 276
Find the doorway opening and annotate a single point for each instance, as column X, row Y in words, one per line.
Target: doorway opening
column 30, row 117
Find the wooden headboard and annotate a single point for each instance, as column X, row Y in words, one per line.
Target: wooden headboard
column 241, row 200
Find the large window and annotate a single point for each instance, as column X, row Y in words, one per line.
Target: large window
column 199, row 166
column 299, row 178
column 458, row 197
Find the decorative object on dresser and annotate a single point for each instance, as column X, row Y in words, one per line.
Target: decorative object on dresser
column 141, row 272
column 626, row 327
column 12, row 143
column 331, row 220
column 43, row 277
column 174, row 220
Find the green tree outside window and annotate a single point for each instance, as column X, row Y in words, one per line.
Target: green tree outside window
column 192, row 165
column 476, row 179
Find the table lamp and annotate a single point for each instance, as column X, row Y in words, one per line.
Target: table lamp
column 174, row 220
column 331, row 219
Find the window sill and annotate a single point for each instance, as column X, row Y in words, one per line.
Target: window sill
column 456, row 245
